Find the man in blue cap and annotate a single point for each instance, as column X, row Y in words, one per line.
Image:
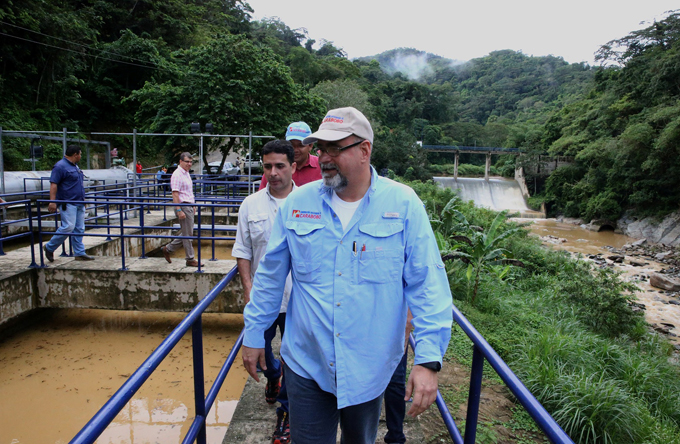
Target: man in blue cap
column 307, row 169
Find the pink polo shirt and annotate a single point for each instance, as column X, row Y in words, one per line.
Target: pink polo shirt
column 308, row 172
column 180, row 181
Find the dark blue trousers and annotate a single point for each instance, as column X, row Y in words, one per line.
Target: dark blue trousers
column 274, row 368
column 314, row 415
column 395, row 406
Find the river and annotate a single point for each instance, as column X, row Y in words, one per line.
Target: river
column 574, row 239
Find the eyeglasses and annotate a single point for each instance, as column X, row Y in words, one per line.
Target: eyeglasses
column 335, row 151
column 188, row 161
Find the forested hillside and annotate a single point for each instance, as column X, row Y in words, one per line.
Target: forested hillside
column 158, row 66
column 625, row 133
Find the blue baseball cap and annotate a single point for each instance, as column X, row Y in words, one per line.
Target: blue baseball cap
column 298, row 131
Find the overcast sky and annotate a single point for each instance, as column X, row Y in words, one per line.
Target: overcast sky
column 459, row 30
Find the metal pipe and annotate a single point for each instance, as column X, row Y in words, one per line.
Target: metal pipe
column 2, row 175
column 122, row 239
column 250, row 161
column 199, row 383
column 134, row 160
column 474, row 395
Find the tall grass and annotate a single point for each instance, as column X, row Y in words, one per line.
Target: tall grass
column 569, row 333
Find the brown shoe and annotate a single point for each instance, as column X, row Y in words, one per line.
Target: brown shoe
column 192, row 263
column 166, row 254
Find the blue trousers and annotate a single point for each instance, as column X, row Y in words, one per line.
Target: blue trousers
column 395, row 406
column 72, row 221
column 274, row 369
column 314, row 415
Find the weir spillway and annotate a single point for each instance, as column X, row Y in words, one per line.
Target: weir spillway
column 496, row 193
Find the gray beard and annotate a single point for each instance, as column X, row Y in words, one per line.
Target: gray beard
column 337, row 182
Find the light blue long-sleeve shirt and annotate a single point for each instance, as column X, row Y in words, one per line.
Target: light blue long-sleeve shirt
column 347, row 310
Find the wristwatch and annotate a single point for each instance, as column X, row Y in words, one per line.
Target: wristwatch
column 178, row 210
column 434, row 365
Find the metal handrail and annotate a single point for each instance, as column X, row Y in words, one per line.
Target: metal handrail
column 482, row 350
column 115, row 404
column 135, row 206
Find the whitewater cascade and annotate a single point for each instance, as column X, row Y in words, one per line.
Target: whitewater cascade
column 497, row 193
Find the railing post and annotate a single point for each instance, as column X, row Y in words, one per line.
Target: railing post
column 127, row 198
column 212, row 211
column 122, row 242
column 474, row 396
column 199, row 239
column 2, row 252
column 40, row 241
column 199, row 384
column 141, row 223
column 2, row 175
column 30, row 230
column 108, row 219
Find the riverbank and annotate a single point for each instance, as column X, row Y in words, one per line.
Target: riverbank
column 637, row 260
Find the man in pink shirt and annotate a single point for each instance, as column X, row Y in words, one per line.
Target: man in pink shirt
column 307, row 169
column 183, row 192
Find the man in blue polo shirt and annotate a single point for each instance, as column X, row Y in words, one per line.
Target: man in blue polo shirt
column 66, row 183
column 361, row 252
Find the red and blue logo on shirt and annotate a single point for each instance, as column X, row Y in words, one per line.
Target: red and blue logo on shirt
column 306, row 214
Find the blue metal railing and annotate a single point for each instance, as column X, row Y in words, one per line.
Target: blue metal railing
column 138, row 205
column 30, row 234
column 123, row 199
column 481, row 351
column 476, row 149
column 197, row 431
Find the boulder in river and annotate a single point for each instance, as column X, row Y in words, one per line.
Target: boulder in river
column 639, row 243
column 666, row 282
column 662, row 256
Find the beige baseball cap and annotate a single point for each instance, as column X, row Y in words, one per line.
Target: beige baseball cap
column 340, row 123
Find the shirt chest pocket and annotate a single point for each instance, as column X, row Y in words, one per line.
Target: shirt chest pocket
column 305, row 244
column 259, row 228
column 382, row 261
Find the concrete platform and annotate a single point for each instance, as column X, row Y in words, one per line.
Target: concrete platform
column 146, row 284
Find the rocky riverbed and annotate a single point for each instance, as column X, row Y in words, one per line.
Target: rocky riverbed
column 654, row 268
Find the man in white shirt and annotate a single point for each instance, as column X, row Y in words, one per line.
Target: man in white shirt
column 255, row 218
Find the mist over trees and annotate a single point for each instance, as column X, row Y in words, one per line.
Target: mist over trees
column 158, row 66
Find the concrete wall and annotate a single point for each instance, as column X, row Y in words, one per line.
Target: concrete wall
column 17, row 293
column 519, row 177
column 134, row 290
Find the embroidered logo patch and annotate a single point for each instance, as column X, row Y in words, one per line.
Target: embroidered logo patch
column 391, row 215
column 306, row 214
column 333, row 119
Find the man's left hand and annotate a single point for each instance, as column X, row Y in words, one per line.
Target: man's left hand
column 422, row 383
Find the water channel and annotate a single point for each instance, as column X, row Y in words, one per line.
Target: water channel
column 57, row 374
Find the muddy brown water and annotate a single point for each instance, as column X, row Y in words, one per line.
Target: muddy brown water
column 56, row 375
column 575, row 239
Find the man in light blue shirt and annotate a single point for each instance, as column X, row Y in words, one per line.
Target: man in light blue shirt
column 361, row 251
